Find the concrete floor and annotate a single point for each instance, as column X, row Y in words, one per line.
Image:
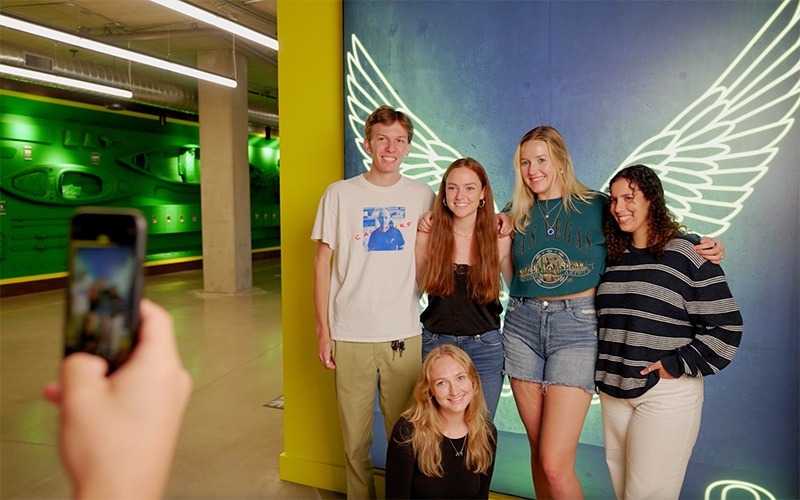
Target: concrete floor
column 231, row 345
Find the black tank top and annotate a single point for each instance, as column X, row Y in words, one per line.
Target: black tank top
column 456, row 314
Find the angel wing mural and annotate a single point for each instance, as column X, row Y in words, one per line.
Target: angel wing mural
column 368, row 88
column 712, row 137
column 710, row 157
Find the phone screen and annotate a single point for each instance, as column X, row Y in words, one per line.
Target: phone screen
column 104, row 287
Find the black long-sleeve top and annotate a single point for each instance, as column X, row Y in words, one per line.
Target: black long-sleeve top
column 405, row 480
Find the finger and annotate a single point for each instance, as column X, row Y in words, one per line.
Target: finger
column 156, row 334
column 52, row 392
column 706, row 243
column 156, row 354
column 83, row 372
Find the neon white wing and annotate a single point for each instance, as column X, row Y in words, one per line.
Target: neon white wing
column 709, row 157
column 367, row 88
column 712, row 154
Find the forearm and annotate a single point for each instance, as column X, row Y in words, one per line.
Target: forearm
column 709, row 352
column 506, row 261
column 321, row 297
column 322, row 287
column 421, row 253
column 717, row 324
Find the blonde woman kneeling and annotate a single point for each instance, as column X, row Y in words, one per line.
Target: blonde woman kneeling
column 444, row 445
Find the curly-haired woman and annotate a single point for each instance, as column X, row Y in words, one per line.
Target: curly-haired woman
column 666, row 319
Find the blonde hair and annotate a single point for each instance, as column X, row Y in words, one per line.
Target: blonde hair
column 523, row 198
column 426, row 436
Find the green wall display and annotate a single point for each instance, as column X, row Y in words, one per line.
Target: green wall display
column 56, row 156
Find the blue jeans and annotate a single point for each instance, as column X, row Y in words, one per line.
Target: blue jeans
column 486, row 352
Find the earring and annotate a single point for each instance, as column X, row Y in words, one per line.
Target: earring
column 444, row 201
column 481, row 203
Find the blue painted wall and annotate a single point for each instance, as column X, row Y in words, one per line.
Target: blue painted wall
column 611, row 75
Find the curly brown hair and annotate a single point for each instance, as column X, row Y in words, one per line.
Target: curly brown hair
column 662, row 226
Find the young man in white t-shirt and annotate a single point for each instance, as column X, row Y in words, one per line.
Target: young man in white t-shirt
column 365, row 295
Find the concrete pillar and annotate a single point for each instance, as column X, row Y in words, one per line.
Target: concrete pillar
column 225, row 176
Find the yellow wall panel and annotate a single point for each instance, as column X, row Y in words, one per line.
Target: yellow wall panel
column 312, row 156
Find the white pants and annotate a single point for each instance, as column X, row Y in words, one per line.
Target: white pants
column 649, row 439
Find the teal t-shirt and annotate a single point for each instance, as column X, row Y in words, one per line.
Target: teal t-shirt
column 562, row 254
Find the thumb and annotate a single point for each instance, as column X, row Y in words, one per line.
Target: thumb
column 82, row 373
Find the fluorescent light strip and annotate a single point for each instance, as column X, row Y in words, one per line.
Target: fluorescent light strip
column 63, row 81
column 128, row 55
column 219, row 22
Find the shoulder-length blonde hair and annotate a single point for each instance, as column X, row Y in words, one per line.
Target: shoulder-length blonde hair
column 523, row 198
column 423, row 415
column 483, row 280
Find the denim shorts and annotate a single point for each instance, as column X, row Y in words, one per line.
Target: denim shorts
column 551, row 341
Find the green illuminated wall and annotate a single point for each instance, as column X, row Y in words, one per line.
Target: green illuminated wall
column 57, row 155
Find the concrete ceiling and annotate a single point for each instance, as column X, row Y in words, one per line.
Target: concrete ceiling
column 146, row 27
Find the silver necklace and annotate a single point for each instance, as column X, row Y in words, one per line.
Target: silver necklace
column 458, row 453
column 462, row 235
column 546, row 217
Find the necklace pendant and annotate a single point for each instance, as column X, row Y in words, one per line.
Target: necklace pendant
column 551, row 231
column 458, row 453
column 547, row 216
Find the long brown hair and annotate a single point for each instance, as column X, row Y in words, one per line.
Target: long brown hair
column 424, row 417
column 483, row 280
column 523, row 198
column 662, row 226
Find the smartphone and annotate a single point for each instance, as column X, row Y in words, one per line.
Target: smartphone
column 105, row 264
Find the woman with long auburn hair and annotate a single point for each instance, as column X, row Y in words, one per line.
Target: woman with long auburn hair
column 458, row 266
column 444, row 444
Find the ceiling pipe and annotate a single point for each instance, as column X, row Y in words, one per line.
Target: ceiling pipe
column 118, row 39
column 149, row 91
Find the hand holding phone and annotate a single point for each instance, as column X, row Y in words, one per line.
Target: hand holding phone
column 118, row 433
column 106, row 254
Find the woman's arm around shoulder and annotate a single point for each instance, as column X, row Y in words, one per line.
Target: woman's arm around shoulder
column 421, row 252
column 506, row 262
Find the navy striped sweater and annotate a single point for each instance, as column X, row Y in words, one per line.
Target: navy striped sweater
column 678, row 309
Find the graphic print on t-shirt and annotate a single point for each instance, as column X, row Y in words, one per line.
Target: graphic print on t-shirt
column 551, row 267
column 381, row 228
